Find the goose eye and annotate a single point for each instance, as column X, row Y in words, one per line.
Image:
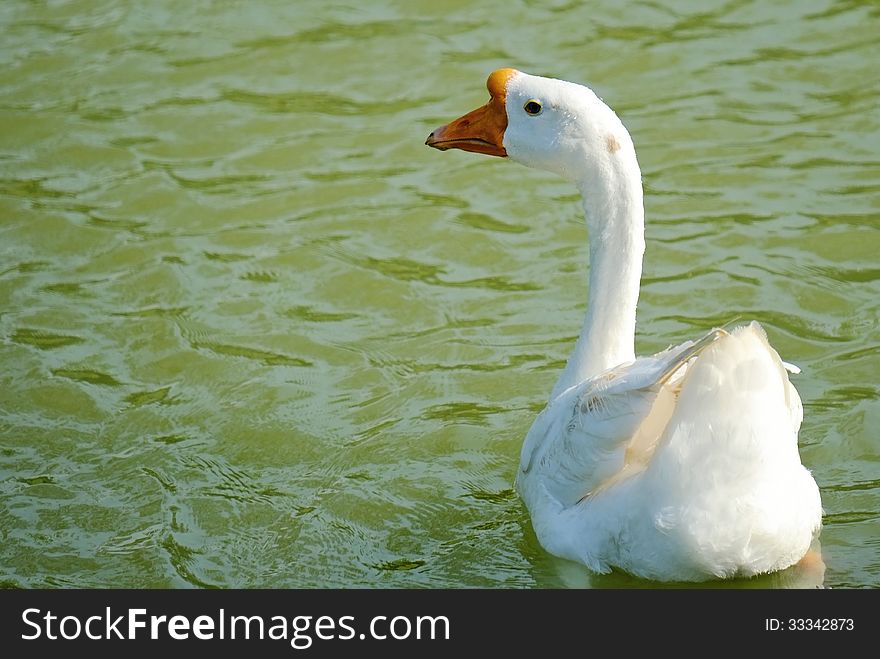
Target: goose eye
column 533, row 107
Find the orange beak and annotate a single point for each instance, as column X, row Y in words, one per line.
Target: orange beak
column 480, row 131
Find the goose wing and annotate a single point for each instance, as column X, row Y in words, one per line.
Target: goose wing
column 607, row 427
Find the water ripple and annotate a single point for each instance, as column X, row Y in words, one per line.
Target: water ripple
column 256, row 334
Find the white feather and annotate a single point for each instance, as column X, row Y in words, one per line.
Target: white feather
column 717, row 488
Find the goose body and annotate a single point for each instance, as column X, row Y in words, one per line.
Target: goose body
column 679, row 466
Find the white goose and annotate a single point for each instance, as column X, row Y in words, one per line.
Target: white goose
column 680, row 466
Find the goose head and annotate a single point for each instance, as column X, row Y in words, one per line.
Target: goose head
column 548, row 124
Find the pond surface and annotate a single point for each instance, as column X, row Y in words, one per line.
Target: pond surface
column 255, row 334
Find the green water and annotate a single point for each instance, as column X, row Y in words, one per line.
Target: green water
column 254, row 333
